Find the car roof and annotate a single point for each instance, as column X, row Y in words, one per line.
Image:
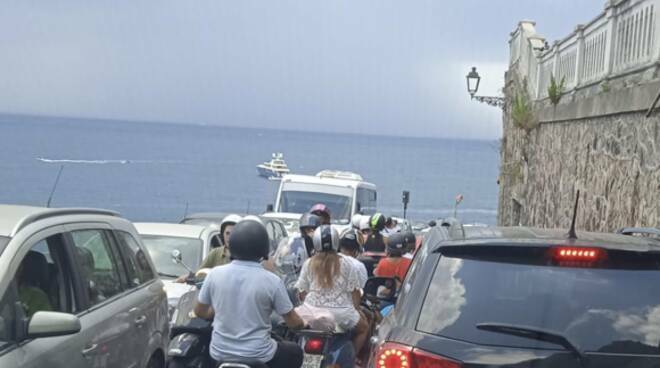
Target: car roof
column 168, row 229
column 14, row 217
column 216, row 216
column 519, row 235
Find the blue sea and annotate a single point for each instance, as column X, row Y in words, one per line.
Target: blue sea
column 158, row 171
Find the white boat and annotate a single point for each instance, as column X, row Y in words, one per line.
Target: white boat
column 275, row 168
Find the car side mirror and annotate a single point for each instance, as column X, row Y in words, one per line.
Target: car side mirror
column 382, row 288
column 49, row 324
column 176, row 256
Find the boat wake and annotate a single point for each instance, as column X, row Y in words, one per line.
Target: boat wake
column 91, row 162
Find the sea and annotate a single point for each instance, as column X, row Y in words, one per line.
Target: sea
column 161, row 171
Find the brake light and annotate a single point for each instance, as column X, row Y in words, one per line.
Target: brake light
column 392, row 355
column 314, row 345
column 578, row 254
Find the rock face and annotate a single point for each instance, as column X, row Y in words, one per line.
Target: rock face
column 614, row 159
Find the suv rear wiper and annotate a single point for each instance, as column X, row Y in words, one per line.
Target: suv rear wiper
column 535, row 334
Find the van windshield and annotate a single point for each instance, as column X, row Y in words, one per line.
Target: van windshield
column 3, row 243
column 301, row 202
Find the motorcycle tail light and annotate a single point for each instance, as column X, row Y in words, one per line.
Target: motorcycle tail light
column 314, row 345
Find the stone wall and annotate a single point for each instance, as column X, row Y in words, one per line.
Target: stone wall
column 602, row 144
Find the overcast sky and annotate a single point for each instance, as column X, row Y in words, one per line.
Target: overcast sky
column 364, row 66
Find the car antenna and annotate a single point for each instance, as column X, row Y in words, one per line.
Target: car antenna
column 52, row 192
column 571, row 232
column 185, row 211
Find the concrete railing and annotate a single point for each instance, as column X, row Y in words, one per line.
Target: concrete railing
column 622, row 39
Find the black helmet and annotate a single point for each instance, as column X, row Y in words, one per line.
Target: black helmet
column 349, row 241
column 309, row 220
column 399, row 243
column 326, row 239
column 249, row 241
column 377, row 222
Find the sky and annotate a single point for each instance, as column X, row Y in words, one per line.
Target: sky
column 366, row 66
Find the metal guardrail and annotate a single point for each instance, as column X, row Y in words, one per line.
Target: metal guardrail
column 620, row 40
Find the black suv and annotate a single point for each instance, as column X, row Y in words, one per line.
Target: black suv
column 523, row 297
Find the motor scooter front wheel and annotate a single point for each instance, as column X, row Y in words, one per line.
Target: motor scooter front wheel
column 176, row 363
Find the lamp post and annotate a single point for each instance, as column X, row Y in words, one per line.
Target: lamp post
column 473, row 80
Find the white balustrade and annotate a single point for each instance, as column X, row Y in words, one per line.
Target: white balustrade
column 620, row 40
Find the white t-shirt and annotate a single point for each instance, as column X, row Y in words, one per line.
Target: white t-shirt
column 339, row 298
column 243, row 295
column 362, row 274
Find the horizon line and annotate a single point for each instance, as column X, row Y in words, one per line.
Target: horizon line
column 200, row 124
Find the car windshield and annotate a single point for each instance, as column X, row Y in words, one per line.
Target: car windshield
column 301, row 202
column 585, row 305
column 160, row 249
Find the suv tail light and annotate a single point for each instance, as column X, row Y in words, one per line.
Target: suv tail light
column 314, row 345
column 392, row 355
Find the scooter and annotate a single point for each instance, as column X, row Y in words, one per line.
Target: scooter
column 190, row 335
column 323, row 349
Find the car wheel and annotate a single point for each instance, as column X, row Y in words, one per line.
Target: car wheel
column 156, row 361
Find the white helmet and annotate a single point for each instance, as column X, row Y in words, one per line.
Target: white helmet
column 355, row 221
column 253, row 218
column 326, row 238
column 364, row 223
column 232, row 219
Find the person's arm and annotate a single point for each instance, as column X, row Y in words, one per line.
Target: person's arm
column 357, row 298
column 203, row 308
column 303, row 283
column 293, row 320
column 204, row 311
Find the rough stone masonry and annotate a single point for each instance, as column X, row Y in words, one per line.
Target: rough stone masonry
column 597, row 139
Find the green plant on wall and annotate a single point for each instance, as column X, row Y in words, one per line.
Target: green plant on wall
column 522, row 112
column 555, row 90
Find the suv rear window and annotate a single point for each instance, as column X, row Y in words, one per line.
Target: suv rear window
column 606, row 310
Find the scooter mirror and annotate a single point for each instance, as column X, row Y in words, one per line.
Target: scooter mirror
column 176, row 256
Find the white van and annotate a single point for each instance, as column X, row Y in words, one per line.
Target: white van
column 344, row 193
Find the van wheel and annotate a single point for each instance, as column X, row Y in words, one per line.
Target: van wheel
column 156, row 361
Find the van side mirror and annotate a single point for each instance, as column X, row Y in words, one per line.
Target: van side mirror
column 269, row 208
column 382, row 288
column 49, row 324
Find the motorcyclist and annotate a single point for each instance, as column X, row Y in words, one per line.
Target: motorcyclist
column 350, row 247
column 395, row 265
column 330, row 281
column 247, row 294
column 323, row 212
column 293, row 251
column 220, row 255
column 376, row 241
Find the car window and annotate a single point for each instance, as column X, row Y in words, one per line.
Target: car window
column 215, row 241
column 99, row 266
column 8, row 327
column 138, row 268
column 583, row 304
column 44, row 280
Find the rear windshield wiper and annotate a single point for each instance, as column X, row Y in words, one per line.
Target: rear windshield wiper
column 163, row 274
column 535, row 334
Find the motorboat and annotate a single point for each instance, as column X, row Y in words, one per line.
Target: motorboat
column 275, row 168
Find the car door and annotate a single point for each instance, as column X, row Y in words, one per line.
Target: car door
column 110, row 318
column 56, row 283
column 146, row 295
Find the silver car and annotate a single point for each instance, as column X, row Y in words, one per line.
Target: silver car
column 77, row 289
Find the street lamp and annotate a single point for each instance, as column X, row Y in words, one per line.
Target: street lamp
column 473, row 80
